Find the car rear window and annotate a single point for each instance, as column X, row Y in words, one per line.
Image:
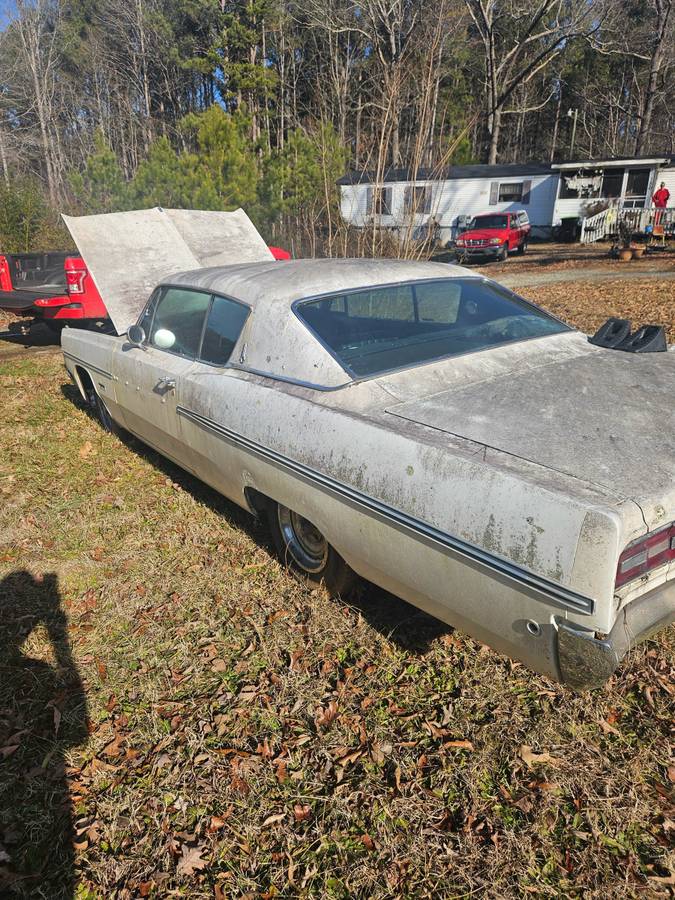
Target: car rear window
column 384, row 328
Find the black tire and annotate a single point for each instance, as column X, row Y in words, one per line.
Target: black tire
column 503, row 254
column 101, row 410
column 302, row 547
column 523, row 248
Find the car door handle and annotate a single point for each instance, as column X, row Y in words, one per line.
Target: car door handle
column 165, row 384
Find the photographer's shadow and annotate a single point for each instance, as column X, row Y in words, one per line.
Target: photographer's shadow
column 43, row 714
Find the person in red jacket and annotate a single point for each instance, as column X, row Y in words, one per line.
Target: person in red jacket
column 661, row 197
column 660, row 201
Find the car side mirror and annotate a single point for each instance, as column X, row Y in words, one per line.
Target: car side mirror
column 136, row 335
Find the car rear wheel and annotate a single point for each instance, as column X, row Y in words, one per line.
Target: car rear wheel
column 303, row 547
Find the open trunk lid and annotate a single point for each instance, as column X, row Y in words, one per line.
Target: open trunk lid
column 607, row 418
column 128, row 253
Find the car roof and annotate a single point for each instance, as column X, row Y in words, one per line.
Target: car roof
column 497, row 212
column 275, row 342
column 283, row 282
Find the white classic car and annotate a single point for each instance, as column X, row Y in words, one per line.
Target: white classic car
column 424, row 428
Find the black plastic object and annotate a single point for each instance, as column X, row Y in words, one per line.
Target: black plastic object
column 612, row 333
column 647, row 339
column 615, row 335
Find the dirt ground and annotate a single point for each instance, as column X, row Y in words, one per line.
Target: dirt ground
column 586, row 305
column 551, row 257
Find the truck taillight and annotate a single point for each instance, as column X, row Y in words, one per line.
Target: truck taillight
column 75, row 280
column 5, row 277
column 646, row 554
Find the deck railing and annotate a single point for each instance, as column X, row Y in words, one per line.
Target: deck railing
column 641, row 221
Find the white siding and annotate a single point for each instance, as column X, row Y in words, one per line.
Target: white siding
column 667, row 175
column 453, row 198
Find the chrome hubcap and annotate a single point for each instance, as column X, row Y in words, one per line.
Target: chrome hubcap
column 304, row 541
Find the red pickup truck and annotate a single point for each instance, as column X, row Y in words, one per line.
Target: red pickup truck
column 57, row 289
column 53, row 287
column 494, row 236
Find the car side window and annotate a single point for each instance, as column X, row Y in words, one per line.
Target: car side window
column 178, row 322
column 224, row 325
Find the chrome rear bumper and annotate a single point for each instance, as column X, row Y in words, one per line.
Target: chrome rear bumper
column 586, row 661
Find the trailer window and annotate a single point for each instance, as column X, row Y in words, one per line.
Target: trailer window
column 511, row 192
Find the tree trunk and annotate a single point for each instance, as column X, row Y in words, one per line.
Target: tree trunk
column 144, row 73
column 357, row 134
column 663, row 11
column 556, row 124
column 494, row 126
column 3, row 159
column 396, row 140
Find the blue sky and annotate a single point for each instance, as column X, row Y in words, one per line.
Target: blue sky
column 7, row 9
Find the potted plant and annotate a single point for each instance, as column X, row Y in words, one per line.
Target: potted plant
column 625, row 236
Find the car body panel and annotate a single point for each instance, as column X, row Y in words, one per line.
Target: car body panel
column 566, row 416
column 89, row 354
column 436, row 482
column 146, row 399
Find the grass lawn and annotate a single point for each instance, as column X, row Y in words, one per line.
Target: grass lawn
column 179, row 717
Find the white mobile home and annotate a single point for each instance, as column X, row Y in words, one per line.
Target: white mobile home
column 624, row 183
column 449, row 197
column 550, row 193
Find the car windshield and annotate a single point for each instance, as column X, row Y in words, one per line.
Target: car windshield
column 490, row 222
column 379, row 329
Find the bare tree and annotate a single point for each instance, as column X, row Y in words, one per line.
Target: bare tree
column 36, row 31
column 660, row 60
column 520, row 39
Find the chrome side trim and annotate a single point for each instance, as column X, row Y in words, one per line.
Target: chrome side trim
column 287, row 379
column 422, row 531
column 88, row 365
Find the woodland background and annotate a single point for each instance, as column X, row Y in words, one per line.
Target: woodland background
column 118, row 104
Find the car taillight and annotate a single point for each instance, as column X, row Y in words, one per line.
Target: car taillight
column 75, row 280
column 648, row 553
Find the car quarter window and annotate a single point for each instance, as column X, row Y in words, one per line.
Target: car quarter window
column 178, row 321
column 394, row 326
column 223, row 326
